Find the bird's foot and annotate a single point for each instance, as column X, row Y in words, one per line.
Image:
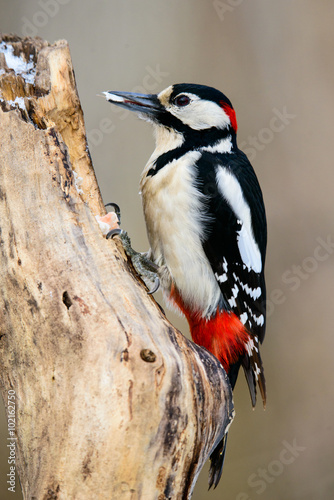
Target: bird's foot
column 145, row 268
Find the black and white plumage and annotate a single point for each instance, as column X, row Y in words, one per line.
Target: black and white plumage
column 206, row 226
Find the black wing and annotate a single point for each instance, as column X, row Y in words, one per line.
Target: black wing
column 243, row 288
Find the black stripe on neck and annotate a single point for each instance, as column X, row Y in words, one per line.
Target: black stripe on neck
column 194, row 140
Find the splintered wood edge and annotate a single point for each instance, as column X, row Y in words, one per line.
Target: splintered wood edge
column 51, row 101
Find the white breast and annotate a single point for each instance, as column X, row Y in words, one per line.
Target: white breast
column 174, row 219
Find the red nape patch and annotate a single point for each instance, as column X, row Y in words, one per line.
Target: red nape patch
column 231, row 114
column 223, row 335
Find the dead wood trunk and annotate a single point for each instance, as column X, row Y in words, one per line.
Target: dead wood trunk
column 111, row 400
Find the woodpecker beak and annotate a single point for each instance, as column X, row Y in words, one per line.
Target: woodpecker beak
column 146, row 104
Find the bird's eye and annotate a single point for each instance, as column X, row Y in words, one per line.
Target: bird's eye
column 182, row 100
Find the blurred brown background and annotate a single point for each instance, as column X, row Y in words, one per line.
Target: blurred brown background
column 275, row 61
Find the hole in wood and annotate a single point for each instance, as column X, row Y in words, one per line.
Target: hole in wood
column 67, row 300
column 147, row 355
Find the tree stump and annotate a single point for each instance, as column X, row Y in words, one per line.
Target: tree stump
column 110, row 400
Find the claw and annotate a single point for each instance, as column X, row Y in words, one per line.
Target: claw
column 114, row 232
column 146, row 269
column 116, row 208
column 156, row 286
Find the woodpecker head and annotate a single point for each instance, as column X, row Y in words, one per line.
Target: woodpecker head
column 199, row 114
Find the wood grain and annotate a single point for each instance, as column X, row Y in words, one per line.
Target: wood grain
column 111, row 400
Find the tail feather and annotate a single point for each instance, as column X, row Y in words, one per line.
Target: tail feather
column 253, row 368
column 250, row 377
column 217, row 458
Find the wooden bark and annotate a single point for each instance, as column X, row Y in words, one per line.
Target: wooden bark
column 111, row 400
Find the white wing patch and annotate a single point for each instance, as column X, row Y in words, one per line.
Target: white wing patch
column 221, row 277
column 243, row 318
column 235, row 291
column 259, row 320
column 231, row 190
column 255, row 293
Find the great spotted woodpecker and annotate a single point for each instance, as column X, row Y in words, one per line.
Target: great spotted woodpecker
column 206, row 226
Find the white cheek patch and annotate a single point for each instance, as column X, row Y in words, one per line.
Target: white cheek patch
column 230, row 189
column 200, row 114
